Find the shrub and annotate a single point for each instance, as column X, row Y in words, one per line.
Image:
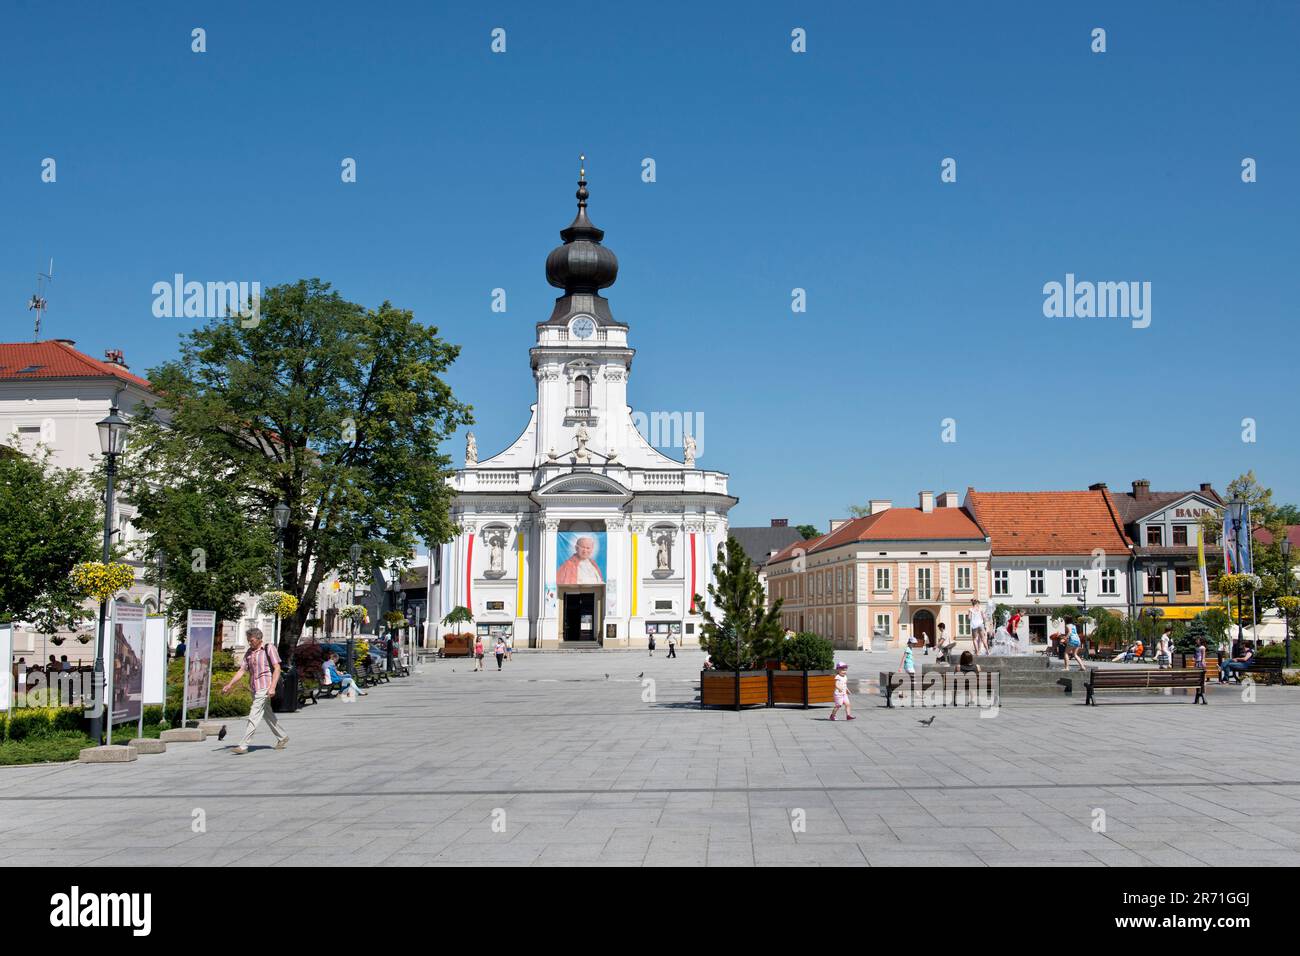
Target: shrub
column 808, row 652
column 55, row 746
column 33, row 722
column 1277, row 651
column 309, row 658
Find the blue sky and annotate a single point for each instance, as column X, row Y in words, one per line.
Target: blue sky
column 775, row 170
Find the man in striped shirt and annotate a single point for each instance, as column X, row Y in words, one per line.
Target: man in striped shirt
column 262, row 664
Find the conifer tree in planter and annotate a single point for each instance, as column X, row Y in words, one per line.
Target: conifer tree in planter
column 744, row 633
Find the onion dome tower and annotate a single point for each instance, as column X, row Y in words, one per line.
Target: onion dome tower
column 582, row 266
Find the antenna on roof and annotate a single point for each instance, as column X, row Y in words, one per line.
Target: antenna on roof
column 38, row 303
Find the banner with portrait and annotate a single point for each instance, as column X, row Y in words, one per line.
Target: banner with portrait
column 199, row 633
column 126, row 645
column 580, row 558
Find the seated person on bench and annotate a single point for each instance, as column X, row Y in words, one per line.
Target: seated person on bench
column 1134, row 653
column 1237, row 666
column 332, row 675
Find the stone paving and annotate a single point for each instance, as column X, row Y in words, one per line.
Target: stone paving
column 551, row 762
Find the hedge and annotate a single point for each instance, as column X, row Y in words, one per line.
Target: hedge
column 33, row 722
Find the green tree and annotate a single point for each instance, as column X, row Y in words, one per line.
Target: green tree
column 337, row 410
column 859, row 511
column 49, row 521
column 807, row 530
column 198, row 526
column 746, row 632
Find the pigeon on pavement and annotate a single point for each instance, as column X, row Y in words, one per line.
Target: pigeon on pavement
column 928, row 722
column 221, row 734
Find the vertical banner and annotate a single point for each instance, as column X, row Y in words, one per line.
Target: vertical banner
column 155, row 660
column 126, row 647
column 519, row 575
column 7, row 656
column 199, row 632
column 1200, row 560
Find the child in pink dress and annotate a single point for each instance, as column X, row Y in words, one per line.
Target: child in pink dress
column 842, row 692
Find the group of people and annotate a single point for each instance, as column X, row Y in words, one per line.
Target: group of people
column 672, row 644
column 501, row 649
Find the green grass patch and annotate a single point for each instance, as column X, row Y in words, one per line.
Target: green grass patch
column 55, row 747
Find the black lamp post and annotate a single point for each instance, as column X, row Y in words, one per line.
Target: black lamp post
column 281, row 516
column 1236, row 509
column 112, row 442
column 1286, row 591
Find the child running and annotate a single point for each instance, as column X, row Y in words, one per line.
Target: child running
column 842, row 692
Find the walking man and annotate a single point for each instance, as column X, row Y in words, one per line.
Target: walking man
column 262, row 664
column 672, row 645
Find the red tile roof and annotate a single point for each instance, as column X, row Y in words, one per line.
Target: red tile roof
column 895, row 524
column 1264, row 536
column 1049, row 522
column 54, row 359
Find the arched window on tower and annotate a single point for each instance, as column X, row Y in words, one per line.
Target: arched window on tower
column 582, row 392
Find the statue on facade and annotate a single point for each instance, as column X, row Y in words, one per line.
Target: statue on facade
column 664, row 558
column 471, row 450
column 496, row 542
column 583, row 454
column 689, row 457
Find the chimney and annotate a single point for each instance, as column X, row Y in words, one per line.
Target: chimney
column 927, row 501
column 1207, row 487
column 1097, row 486
column 879, row 504
column 948, row 499
column 115, row 357
column 1141, row 489
column 780, row 522
column 838, row 523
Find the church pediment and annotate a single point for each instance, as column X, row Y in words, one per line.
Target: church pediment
column 583, row 483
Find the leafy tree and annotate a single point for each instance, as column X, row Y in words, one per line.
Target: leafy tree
column 458, row 615
column 49, row 521
column 1288, row 514
column 859, row 511
column 807, row 530
column 198, row 526
column 746, row 632
column 337, row 410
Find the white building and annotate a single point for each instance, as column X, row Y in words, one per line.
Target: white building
column 53, row 395
column 580, row 532
column 1054, row 549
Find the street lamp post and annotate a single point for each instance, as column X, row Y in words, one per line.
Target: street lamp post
column 281, row 515
column 1236, row 509
column 1286, row 591
column 112, row 442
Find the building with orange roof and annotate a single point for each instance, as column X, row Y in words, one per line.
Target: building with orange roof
column 1053, row 550
column 892, row 574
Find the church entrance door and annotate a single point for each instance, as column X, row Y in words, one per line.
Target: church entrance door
column 580, row 622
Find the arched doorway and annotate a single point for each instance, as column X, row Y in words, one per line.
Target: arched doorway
column 923, row 627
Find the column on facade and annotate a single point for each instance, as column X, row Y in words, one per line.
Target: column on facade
column 548, row 596
column 636, row 600
column 523, row 582
column 618, row 591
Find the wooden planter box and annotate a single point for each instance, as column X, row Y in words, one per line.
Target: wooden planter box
column 457, row 645
column 732, row 689
column 802, row 687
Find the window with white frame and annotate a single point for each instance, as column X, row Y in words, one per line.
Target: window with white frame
column 963, row 625
column 1001, row 582
column 1036, row 582
column 923, row 584
column 1109, row 581
column 963, row 579
column 882, row 579
column 1155, row 581
column 1073, row 581
column 883, row 624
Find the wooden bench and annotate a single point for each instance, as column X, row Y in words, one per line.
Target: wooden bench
column 327, row 691
column 1188, row 662
column 891, row 681
column 305, row 695
column 1126, row 678
column 1270, row 670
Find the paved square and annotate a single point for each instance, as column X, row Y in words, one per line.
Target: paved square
column 550, row 762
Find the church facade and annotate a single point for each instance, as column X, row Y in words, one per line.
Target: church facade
column 581, row 533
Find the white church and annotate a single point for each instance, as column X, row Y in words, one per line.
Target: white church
column 582, row 534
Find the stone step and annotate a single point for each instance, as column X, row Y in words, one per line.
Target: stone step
column 148, row 745
column 112, row 753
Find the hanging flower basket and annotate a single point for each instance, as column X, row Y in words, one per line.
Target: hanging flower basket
column 280, row 603
column 57, row 641
column 102, row 580
column 84, row 638
column 354, row 612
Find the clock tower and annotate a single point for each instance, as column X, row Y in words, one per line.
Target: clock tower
column 582, row 360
